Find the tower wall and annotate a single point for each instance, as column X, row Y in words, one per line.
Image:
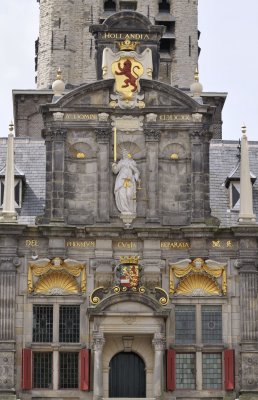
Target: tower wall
column 65, row 40
column 185, row 54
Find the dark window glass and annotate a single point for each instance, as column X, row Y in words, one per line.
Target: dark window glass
column 211, row 371
column 185, row 324
column 164, row 6
column 185, row 371
column 42, row 323
column 235, row 195
column 42, row 370
column 17, row 189
column 69, row 324
column 211, row 324
column 68, row 370
column 128, row 5
column 109, row 5
column 2, row 192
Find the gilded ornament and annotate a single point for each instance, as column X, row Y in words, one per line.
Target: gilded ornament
column 42, row 267
column 80, row 155
column 97, row 295
column 209, row 272
column 161, row 296
column 129, row 260
column 127, row 45
column 127, row 71
column 116, row 289
column 95, row 300
column 198, row 285
column 142, row 289
column 56, row 283
column 163, row 301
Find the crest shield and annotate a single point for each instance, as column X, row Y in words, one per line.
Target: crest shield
column 127, row 72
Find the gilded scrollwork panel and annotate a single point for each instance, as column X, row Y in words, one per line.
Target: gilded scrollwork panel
column 56, row 277
column 198, row 278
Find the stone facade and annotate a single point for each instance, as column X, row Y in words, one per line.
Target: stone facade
column 183, row 253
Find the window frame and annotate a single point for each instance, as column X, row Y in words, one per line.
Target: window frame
column 200, row 348
column 54, row 347
column 18, row 182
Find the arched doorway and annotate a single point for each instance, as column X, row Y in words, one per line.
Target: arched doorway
column 127, row 377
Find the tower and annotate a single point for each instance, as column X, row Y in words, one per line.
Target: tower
column 125, row 275
column 65, row 41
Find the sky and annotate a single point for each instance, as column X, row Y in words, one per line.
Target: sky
column 228, row 61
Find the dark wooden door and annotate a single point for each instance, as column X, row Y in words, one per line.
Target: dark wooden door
column 127, row 377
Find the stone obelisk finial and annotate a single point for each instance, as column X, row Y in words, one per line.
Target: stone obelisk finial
column 246, row 214
column 8, row 214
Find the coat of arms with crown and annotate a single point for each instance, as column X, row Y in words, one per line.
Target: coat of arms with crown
column 127, row 67
column 128, row 273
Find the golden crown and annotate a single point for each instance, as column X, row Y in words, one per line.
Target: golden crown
column 127, row 45
column 129, row 259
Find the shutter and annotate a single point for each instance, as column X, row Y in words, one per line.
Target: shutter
column 26, row 369
column 171, row 370
column 229, row 370
column 85, row 369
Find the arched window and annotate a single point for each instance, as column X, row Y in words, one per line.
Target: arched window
column 164, row 6
column 109, row 5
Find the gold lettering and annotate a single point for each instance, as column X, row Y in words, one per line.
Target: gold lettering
column 174, row 117
column 126, row 245
column 216, row 243
column 174, row 245
column 31, row 243
column 79, row 244
column 78, row 116
column 125, row 36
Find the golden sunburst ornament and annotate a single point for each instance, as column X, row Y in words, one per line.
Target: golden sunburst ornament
column 198, row 285
column 57, row 283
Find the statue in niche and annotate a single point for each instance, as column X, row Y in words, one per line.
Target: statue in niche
column 125, row 185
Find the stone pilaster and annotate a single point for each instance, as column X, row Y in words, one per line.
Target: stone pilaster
column 103, row 138
column 55, row 149
column 152, row 137
column 7, row 324
column 159, row 347
column 98, row 343
column 200, row 140
column 249, row 304
column 249, row 333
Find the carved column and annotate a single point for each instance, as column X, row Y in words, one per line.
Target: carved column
column 152, row 137
column 200, row 140
column 98, row 343
column 55, row 153
column 159, row 347
column 103, row 139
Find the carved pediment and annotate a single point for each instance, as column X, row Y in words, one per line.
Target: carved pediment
column 157, row 97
